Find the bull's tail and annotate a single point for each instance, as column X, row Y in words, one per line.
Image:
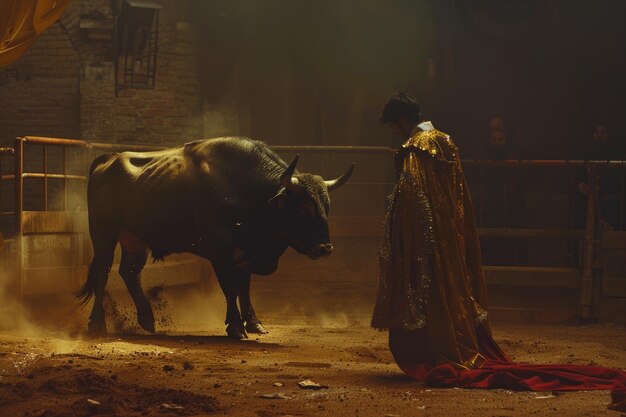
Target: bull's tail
column 100, row 233
column 89, row 288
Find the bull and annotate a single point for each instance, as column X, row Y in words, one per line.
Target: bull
column 232, row 201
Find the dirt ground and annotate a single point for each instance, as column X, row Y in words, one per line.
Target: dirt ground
column 198, row 371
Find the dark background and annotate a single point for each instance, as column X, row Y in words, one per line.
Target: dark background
column 318, row 72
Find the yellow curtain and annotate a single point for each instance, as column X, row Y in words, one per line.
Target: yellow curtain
column 22, row 21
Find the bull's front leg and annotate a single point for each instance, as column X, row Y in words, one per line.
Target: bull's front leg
column 253, row 324
column 227, row 277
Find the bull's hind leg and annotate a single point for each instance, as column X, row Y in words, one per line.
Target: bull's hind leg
column 227, row 278
column 134, row 256
column 253, row 324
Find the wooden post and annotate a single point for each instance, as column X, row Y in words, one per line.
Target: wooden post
column 45, row 178
column 587, row 308
column 19, row 183
column 18, row 208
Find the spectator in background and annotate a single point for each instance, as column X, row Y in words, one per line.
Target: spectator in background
column 602, row 147
column 499, row 197
column 499, row 145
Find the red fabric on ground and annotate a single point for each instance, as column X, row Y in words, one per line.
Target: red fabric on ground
column 499, row 371
column 527, row 377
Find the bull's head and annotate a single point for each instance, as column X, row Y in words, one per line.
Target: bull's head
column 304, row 204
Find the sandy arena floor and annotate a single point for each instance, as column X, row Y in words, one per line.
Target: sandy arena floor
column 206, row 373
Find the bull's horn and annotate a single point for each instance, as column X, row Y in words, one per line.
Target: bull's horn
column 287, row 179
column 336, row 183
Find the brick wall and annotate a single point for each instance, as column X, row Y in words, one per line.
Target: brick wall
column 39, row 94
column 172, row 112
column 64, row 85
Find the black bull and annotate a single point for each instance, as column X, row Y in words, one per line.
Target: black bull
column 232, row 201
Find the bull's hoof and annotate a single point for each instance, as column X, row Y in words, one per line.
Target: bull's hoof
column 145, row 318
column 97, row 328
column 236, row 332
column 146, row 323
column 256, row 327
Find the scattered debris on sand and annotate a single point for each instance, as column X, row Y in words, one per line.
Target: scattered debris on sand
column 308, row 384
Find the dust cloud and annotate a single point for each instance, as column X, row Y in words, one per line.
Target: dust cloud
column 200, row 308
column 189, row 309
column 52, row 318
column 13, row 316
column 197, row 307
column 314, row 312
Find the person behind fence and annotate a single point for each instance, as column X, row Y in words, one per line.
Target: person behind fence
column 432, row 295
column 500, row 194
column 603, row 147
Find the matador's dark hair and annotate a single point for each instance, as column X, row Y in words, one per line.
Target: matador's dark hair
column 400, row 104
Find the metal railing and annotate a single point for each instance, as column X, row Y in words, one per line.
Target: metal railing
column 488, row 229
column 579, row 171
column 501, row 229
column 335, row 149
column 20, row 173
column 5, row 153
column 594, row 194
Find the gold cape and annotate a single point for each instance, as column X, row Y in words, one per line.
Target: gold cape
column 431, row 274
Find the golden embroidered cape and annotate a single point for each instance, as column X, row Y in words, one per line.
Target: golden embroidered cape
column 430, row 263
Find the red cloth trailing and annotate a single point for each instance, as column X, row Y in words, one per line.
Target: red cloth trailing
column 501, row 372
column 527, row 377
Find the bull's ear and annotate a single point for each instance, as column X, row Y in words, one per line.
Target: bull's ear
column 278, row 201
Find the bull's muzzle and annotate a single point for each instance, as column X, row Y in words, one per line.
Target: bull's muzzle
column 323, row 250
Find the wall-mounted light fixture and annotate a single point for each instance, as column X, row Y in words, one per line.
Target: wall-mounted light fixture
column 136, row 41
